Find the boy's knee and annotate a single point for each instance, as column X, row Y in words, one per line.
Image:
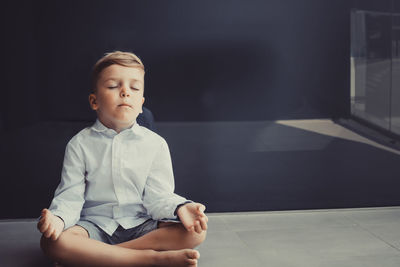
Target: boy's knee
column 55, row 248
column 48, row 246
column 52, row 247
column 196, row 238
column 202, row 236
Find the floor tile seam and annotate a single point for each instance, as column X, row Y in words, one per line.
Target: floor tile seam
column 374, row 235
column 303, row 229
column 383, row 240
column 253, row 252
column 245, row 213
column 359, row 221
column 245, row 245
column 349, row 224
column 235, row 234
column 310, row 230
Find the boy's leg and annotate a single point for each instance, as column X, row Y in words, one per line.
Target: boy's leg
column 75, row 249
column 168, row 236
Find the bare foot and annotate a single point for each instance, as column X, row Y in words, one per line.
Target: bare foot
column 178, row 258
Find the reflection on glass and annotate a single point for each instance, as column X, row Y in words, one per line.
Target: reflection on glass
column 395, row 97
column 371, row 66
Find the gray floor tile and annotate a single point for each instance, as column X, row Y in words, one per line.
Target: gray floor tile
column 315, row 246
column 388, row 232
column 225, row 248
column 373, row 216
column 225, row 239
column 380, row 260
column 232, row 257
column 324, row 238
column 285, row 220
column 216, row 224
column 16, row 230
column 382, row 222
column 22, row 253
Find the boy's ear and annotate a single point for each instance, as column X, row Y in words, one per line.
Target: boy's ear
column 142, row 105
column 93, row 101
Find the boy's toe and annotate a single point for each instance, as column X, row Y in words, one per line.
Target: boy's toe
column 192, row 262
column 193, row 254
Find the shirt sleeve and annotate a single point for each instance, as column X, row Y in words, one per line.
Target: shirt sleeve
column 69, row 196
column 159, row 198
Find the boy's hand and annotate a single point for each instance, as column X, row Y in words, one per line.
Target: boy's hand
column 50, row 225
column 192, row 217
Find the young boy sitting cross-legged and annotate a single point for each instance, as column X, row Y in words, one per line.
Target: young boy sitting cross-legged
column 115, row 204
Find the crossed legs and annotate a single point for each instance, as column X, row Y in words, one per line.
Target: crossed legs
column 168, row 236
column 169, row 245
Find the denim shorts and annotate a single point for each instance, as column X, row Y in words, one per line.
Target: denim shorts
column 120, row 235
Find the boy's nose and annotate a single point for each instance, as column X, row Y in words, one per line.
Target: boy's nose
column 124, row 93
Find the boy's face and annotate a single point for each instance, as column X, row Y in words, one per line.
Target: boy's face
column 119, row 97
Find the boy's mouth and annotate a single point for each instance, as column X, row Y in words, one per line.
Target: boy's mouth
column 125, row 105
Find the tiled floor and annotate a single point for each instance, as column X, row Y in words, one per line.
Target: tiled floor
column 347, row 237
column 324, row 238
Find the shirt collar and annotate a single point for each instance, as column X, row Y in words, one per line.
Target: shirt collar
column 101, row 128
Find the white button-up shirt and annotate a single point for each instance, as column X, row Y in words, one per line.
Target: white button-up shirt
column 116, row 179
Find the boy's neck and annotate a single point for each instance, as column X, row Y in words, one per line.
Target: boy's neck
column 117, row 128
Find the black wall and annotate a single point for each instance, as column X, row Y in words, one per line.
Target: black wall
column 377, row 5
column 207, row 62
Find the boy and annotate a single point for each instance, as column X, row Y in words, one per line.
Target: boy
column 115, row 204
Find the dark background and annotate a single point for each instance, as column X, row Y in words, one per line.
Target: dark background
column 205, row 61
column 217, row 73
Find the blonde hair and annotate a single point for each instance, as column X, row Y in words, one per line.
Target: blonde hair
column 125, row 59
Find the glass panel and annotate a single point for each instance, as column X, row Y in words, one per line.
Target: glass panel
column 395, row 121
column 371, row 66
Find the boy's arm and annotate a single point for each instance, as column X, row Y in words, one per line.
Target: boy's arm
column 69, row 195
column 159, row 198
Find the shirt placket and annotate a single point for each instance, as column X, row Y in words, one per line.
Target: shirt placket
column 116, row 174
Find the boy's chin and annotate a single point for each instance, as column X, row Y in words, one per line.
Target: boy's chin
column 127, row 121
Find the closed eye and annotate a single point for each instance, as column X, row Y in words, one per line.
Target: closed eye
column 134, row 89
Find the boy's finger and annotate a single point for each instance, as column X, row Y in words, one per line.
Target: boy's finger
column 186, row 224
column 45, row 226
column 197, row 227
column 201, row 208
column 49, row 231
column 40, row 226
column 54, row 235
column 191, row 228
column 44, row 211
column 203, row 217
column 203, row 223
